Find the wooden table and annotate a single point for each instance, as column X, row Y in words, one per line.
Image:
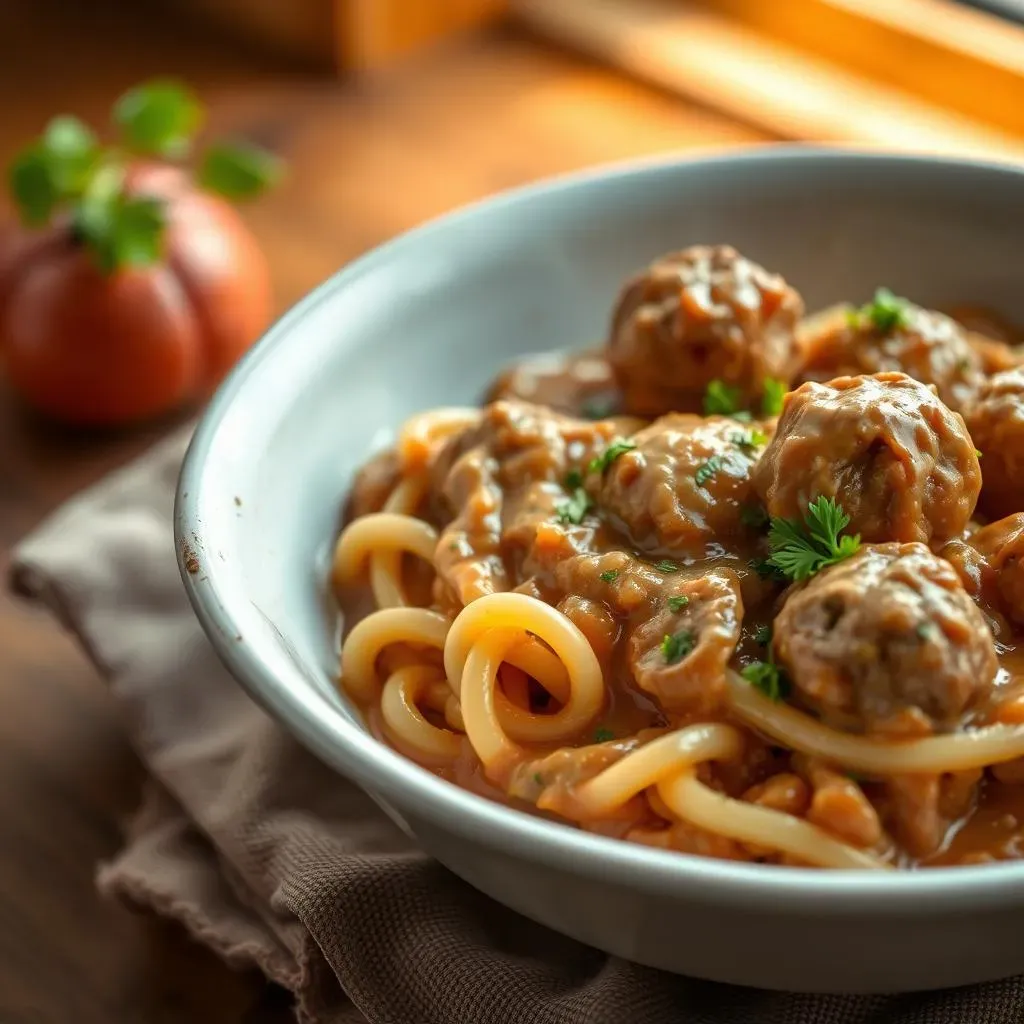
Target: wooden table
column 368, row 160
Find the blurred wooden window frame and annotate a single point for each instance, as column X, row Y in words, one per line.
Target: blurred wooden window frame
column 344, row 35
column 905, row 74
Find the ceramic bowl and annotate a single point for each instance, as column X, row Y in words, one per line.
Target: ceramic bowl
column 427, row 320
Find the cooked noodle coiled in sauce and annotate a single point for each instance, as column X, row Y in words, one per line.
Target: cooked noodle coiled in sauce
column 734, row 584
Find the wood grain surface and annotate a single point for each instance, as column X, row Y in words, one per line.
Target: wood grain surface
column 368, row 159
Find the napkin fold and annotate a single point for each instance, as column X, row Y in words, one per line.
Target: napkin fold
column 275, row 862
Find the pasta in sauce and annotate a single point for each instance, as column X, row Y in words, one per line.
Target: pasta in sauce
column 738, row 583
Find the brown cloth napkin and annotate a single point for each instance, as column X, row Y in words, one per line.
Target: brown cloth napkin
column 274, row 861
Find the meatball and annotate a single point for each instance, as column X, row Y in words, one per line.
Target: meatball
column 924, row 344
column 702, row 314
column 996, row 421
column 680, row 653
column 887, row 641
column 578, row 384
column 498, row 486
column 685, row 485
column 1001, row 545
column 900, row 463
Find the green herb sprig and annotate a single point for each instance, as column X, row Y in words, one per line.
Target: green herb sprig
column 799, row 550
column 772, row 397
column 767, row 677
column 721, row 399
column 601, row 463
column 574, row 508
column 69, row 171
column 885, row 313
column 706, row 470
column 750, row 439
column 676, row 646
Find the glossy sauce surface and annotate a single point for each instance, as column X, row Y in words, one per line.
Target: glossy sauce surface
column 649, row 532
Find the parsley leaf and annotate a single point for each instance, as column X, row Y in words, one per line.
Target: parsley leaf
column 603, row 735
column 32, row 187
column 158, row 118
column 763, row 636
column 773, row 396
column 678, row 602
column 768, row 678
column 600, row 463
column 610, row 575
column 121, row 230
column 238, row 172
column 885, row 313
column 753, row 438
column 721, row 400
column 764, row 569
column 573, row 479
column 706, row 470
column 538, row 778
column 753, row 516
column 574, row 508
column 667, row 565
column 676, row 646
column 801, row 550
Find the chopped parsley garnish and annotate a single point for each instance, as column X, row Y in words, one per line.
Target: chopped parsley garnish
column 538, row 778
column 772, row 396
column 768, row 678
column 678, row 603
column 600, row 463
column 706, row 470
column 765, row 569
column 603, row 735
column 721, row 400
column 763, row 635
column 667, row 565
column 573, row 479
column 676, row 646
column 753, row 438
column 610, row 575
column 885, row 313
column 753, row 516
column 800, row 550
column 574, row 508
column 977, row 453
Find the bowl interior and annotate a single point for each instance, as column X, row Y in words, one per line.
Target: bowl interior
column 429, row 319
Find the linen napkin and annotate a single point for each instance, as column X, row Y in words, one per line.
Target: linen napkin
column 275, row 862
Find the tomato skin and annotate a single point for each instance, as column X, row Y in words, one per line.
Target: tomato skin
column 93, row 349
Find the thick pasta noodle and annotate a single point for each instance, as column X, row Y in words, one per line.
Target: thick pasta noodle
column 627, row 653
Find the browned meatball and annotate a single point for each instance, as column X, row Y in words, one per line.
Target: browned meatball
column 679, row 654
column 685, row 486
column 498, row 486
column 694, row 316
column 1001, row 545
column 886, row 641
column 578, row 384
column 924, row 344
column 900, row 463
column 996, row 421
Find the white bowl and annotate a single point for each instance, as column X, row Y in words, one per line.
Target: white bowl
column 428, row 320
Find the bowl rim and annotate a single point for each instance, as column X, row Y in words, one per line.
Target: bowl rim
column 354, row 752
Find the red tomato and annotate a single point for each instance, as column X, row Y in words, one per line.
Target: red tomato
column 93, row 349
